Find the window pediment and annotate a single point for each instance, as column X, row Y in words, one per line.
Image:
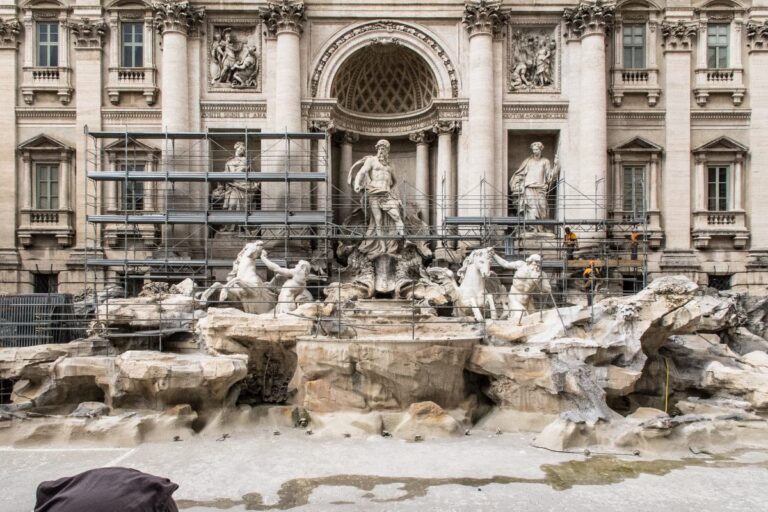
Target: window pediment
column 722, row 144
column 44, row 143
column 637, row 145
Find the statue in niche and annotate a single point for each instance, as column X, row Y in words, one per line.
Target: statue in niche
column 376, row 180
column 233, row 62
column 532, row 64
column 528, row 280
column 531, row 183
column 235, row 195
column 293, row 291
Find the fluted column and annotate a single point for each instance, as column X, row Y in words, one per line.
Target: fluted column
column 589, row 22
column 345, row 162
column 757, row 39
column 481, row 19
column 676, row 183
column 9, row 257
column 421, row 193
column 445, row 180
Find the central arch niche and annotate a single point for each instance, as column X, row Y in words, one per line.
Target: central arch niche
column 384, row 80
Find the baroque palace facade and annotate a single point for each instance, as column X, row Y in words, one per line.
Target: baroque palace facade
column 659, row 106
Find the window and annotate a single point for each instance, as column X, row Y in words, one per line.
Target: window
column 48, row 44
column 132, row 44
column 47, row 187
column 46, row 282
column 720, row 282
column 133, row 198
column 717, row 188
column 717, row 45
column 633, row 186
column 634, row 46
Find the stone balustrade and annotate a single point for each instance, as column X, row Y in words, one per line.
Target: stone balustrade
column 726, row 224
column 38, row 79
column 126, row 80
column 57, row 223
column 721, row 81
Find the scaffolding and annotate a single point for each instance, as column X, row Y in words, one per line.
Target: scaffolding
column 164, row 207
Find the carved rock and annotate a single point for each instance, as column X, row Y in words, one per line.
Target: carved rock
column 427, row 420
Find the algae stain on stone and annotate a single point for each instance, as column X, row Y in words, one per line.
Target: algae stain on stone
column 598, row 470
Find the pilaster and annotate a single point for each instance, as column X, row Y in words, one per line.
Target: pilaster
column 757, row 43
column 9, row 256
column 422, row 140
column 676, row 205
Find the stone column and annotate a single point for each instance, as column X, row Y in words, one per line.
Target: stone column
column 88, row 35
column 322, row 164
column 738, row 170
column 757, row 39
column 285, row 21
column 445, row 180
column 9, row 255
column 699, row 184
column 676, row 184
column 344, row 202
column 654, row 186
column 420, row 195
column 589, row 22
column 482, row 19
column 26, row 182
column 64, row 180
column 174, row 20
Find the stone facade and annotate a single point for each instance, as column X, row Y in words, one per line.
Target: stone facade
column 451, row 85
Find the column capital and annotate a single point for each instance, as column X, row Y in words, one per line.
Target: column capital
column 483, row 17
column 284, row 16
column 678, row 35
column 322, row 125
column 349, row 137
column 420, row 137
column 176, row 16
column 88, row 34
column 588, row 18
column 757, row 36
column 9, row 33
column 446, row 127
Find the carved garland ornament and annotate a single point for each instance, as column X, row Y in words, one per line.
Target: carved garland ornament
column 589, row 17
column 175, row 15
column 757, row 35
column 9, row 32
column 388, row 26
column 284, row 16
column 87, row 33
column 483, row 17
column 678, row 35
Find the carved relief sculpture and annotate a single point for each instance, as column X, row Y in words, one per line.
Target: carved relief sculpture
column 533, row 57
column 234, row 58
column 531, row 183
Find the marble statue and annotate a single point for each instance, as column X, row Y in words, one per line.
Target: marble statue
column 375, row 178
column 528, row 280
column 293, row 292
column 236, row 195
column 244, row 287
column 471, row 297
column 531, row 183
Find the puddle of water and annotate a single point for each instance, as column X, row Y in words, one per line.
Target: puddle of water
column 598, row 470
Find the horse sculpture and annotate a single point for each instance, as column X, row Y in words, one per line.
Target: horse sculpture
column 244, row 287
column 471, row 297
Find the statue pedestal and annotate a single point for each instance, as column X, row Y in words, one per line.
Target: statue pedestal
column 541, row 242
column 385, row 267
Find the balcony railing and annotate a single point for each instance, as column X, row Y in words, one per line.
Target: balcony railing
column 719, row 81
column 635, row 81
column 132, row 80
column 56, row 223
column 46, row 79
column 730, row 224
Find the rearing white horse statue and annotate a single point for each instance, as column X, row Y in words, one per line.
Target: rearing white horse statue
column 470, row 297
column 244, row 286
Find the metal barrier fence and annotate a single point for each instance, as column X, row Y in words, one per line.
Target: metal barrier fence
column 37, row 319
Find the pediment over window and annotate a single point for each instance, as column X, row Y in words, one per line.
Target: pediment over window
column 722, row 145
column 43, row 142
column 131, row 147
column 637, row 145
